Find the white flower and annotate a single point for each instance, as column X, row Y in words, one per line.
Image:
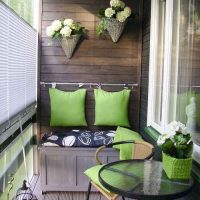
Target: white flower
column 122, row 4
column 66, row 31
column 162, row 138
column 117, row 3
column 68, row 22
column 121, row 16
column 109, row 12
column 127, row 11
column 177, row 127
column 49, row 31
column 182, row 128
column 56, row 25
column 173, row 126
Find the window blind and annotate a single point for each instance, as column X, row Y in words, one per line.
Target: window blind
column 18, row 61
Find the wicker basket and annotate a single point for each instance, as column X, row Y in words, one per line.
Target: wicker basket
column 115, row 28
column 69, row 44
column 177, row 168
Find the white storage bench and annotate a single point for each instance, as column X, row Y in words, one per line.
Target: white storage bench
column 62, row 168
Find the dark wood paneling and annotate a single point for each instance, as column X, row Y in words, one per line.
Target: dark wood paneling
column 85, row 69
column 60, row 60
column 95, row 60
column 145, row 63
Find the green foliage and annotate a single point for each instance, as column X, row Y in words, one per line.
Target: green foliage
column 180, row 146
column 56, row 35
column 101, row 27
column 13, row 152
column 101, row 13
column 78, row 29
column 168, row 147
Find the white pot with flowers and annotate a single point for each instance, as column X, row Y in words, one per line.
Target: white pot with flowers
column 68, row 32
column 113, row 19
column 177, row 148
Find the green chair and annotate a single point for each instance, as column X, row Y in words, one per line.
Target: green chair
column 140, row 150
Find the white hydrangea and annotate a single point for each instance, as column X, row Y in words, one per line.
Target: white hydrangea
column 127, row 11
column 49, row 31
column 117, row 3
column 66, row 31
column 56, row 25
column 121, row 16
column 68, row 22
column 122, row 4
column 109, row 12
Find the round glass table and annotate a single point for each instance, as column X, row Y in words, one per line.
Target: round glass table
column 142, row 179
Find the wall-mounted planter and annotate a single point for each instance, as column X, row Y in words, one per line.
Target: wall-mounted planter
column 68, row 32
column 115, row 28
column 113, row 19
column 69, row 44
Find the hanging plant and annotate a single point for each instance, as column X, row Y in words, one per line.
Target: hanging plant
column 113, row 19
column 68, row 32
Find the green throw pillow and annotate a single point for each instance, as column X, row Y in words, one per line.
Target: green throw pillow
column 67, row 108
column 123, row 134
column 111, row 108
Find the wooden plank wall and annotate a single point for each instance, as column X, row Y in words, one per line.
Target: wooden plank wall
column 95, row 60
column 145, row 63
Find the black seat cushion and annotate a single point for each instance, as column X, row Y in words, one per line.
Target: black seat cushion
column 78, row 138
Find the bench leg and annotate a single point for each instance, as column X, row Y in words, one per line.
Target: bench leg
column 88, row 192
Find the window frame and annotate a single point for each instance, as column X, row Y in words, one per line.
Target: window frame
column 167, row 65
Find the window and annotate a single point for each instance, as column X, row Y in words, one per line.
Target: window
column 27, row 9
column 18, row 64
column 174, row 83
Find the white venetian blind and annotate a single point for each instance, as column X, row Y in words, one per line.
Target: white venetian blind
column 18, row 58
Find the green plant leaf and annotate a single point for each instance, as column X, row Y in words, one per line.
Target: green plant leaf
column 179, row 146
column 78, row 29
column 56, row 34
column 101, row 13
column 101, row 27
column 168, row 147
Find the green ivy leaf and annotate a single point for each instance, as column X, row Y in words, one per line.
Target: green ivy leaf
column 101, row 27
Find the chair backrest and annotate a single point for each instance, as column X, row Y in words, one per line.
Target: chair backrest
column 141, row 150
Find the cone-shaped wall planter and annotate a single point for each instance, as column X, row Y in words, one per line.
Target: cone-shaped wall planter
column 115, row 28
column 69, row 44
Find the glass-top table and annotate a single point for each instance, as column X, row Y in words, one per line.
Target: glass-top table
column 142, row 179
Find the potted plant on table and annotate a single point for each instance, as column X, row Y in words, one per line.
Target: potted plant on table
column 68, row 32
column 113, row 19
column 177, row 149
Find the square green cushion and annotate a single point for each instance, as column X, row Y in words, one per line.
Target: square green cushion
column 111, row 108
column 67, row 108
column 93, row 174
column 111, row 178
column 124, row 134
